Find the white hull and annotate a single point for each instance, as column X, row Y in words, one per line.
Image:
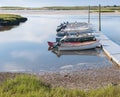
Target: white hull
column 79, row 47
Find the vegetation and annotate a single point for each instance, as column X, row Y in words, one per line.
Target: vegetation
column 31, row 86
column 66, row 8
column 18, row 8
column 103, row 11
column 114, row 7
column 12, row 8
column 11, row 19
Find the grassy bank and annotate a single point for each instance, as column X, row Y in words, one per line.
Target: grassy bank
column 11, row 19
column 114, row 7
column 31, row 86
column 103, row 11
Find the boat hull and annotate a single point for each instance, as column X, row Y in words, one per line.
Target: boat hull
column 81, row 46
column 76, row 45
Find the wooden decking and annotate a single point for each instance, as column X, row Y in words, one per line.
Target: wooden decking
column 110, row 48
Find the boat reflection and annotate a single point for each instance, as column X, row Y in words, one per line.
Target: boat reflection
column 93, row 52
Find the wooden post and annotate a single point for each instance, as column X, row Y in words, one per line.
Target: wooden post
column 88, row 14
column 99, row 17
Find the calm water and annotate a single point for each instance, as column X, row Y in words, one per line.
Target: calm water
column 24, row 48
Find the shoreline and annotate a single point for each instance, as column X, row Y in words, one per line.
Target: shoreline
column 56, row 12
column 80, row 79
column 84, row 79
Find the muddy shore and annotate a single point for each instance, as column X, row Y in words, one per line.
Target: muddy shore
column 81, row 79
column 84, row 79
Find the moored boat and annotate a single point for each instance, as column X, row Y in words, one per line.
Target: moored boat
column 75, row 45
column 75, row 36
column 73, row 26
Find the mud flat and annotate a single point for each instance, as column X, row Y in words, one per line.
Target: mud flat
column 56, row 12
column 84, row 79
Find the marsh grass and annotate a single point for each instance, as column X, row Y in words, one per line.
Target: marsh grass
column 31, row 86
column 103, row 11
column 61, row 8
column 9, row 17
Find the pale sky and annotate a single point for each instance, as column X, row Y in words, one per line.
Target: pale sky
column 42, row 3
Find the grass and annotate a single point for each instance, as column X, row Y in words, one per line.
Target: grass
column 103, row 11
column 10, row 17
column 31, row 86
column 61, row 8
column 13, row 8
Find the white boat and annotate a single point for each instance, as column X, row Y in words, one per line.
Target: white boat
column 76, row 45
column 75, row 26
column 79, row 45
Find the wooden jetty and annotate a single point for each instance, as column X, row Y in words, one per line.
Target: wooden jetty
column 110, row 48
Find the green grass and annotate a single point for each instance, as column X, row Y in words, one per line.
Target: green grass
column 13, row 8
column 10, row 17
column 31, row 86
column 103, row 11
column 61, row 8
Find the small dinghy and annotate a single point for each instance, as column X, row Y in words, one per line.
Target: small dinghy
column 74, row 45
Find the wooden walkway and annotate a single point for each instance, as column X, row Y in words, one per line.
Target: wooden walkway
column 110, row 48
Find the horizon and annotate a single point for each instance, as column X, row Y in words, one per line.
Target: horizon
column 59, row 6
column 49, row 3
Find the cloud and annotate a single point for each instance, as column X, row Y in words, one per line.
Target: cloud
column 31, row 56
column 12, row 67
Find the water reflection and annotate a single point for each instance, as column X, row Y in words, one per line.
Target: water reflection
column 90, row 52
column 25, row 48
column 6, row 28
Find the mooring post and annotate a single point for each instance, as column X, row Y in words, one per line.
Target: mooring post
column 89, row 14
column 99, row 17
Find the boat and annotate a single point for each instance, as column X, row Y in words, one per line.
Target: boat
column 75, row 32
column 73, row 26
column 75, row 36
column 75, row 45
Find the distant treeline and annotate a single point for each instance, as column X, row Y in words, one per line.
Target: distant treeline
column 104, row 8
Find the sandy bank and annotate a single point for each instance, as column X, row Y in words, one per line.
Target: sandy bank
column 55, row 12
column 82, row 79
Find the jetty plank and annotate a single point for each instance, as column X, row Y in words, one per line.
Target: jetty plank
column 111, row 49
